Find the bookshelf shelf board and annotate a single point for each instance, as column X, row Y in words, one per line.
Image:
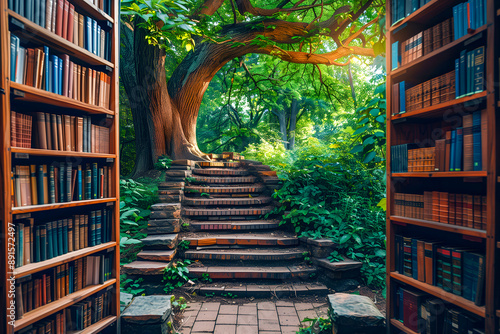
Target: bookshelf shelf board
column 399, row 325
column 423, row 14
column 36, row 32
column 442, row 174
column 440, row 293
column 56, row 261
column 439, row 109
column 52, row 206
column 442, row 54
column 92, row 10
column 441, row 226
column 97, row 327
column 51, row 308
column 53, row 153
column 32, row 94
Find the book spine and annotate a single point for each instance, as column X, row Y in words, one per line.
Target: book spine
column 95, row 180
column 52, row 185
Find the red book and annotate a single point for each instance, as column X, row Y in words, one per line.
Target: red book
column 65, row 20
column 59, row 17
column 412, row 302
column 30, row 67
column 71, row 19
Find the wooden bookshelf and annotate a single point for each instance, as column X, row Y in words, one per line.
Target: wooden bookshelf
column 26, row 99
column 427, row 124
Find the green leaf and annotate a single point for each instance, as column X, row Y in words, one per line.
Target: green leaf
column 357, row 149
column 380, row 119
column 374, row 112
column 369, row 157
column 344, row 238
column 360, row 130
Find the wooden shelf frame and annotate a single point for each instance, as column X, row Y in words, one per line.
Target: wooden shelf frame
column 60, row 304
column 32, row 268
column 441, row 226
column 23, row 97
column 423, row 117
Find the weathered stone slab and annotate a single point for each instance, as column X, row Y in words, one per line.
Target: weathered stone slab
column 165, row 207
column 163, row 229
column 147, row 314
column 171, row 185
column 144, row 268
column 345, row 265
column 125, row 300
column 169, row 198
column 178, row 167
column 355, row 314
column 165, row 214
column 190, row 163
column 161, row 241
column 178, row 173
column 170, row 192
column 157, row 255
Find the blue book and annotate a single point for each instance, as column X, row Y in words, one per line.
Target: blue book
column 65, row 236
column 473, row 275
column 414, row 5
column 482, row 12
column 92, row 229
column 36, row 243
column 94, row 37
column 408, row 9
column 401, row 9
column 468, row 76
column 465, row 19
column 60, row 245
column 71, row 278
column 28, row 9
column 55, row 66
column 98, row 227
column 11, row 4
column 88, row 34
column 402, row 98
column 48, row 245
column 55, row 248
column 463, row 73
column 457, row 78
column 42, row 13
column 459, row 148
column 476, row 141
column 95, row 180
column 36, row 12
column 47, row 67
column 455, row 23
column 60, row 77
column 478, row 72
column 395, row 55
column 43, row 242
column 453, row 145
column 14, row 49
column 98, row 42
column 414, row 258
column 460, row 11
column 21, row 7
column 79, row 180
column 62, row 179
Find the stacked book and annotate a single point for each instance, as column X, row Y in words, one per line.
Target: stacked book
column 402, row 8
column 468, row 15
column 462, row 149
column 54, row 324
column 43, row 288
column 41, row 69
column 89, row 311
column 460, row 271
column 20, row 130
column 455, row 209
column 423, row 313
column 61, row 18
column 421, row 44
column 40, row 242
column 58, row 183
column 469, row 72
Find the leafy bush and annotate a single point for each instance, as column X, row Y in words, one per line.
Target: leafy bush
column 175, row 275
column 164, row 162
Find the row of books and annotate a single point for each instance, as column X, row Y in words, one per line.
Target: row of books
column 57, row 74
column 468, row 15
column 43, row 288
column 469, row 72
column 402, row 8
column 61, row 18
column 76, row 317
column 20, row 130
column 423, row 313
column 42, row 184
column 458, row 270
column 456, row 209
column 60, row 132
column 462, row 149
column 421, row 44
column 36, row 243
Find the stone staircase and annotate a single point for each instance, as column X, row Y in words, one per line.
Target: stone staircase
column 233, row 248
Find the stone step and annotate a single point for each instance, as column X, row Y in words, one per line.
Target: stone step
column 250, row 189
column 223, row 180
column 252, row 272
column 208, row 164
column 199, row 201
column 163, row 226
column 220, row 172
column 161, row 241
column 234, row 225
column 157, row 255
column 258, row 290
column 243, row 239
column 202, row 212
column 147, row 314
column 345, row 265
column 252, row 254
column 144, row 268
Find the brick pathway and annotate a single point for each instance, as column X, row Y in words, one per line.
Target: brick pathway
column 281, row 317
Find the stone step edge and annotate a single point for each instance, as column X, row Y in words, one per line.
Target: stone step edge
column 237, row 254
column 215, row 272
column 241, row 240
column 258, row 291
column 219, row 226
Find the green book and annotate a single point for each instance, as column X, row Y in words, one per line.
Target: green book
column 43, row 243
column 92, row 233
column 62, row 182
column 20, row 257
column 37, row 244
column 98, row 227
column 49, row 242
column 88, row 182
column 65, row 235
column 55, row 248
column 52, row 185
column 95, row 180
column 60, row 245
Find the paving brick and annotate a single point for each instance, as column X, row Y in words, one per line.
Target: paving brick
column 303, row 306
column 289, row 329
column 289, row 320
column 267, row 315
column 311, row 314
column 193, row 306
column 246, row 310
column 286, row 310
column 284, row 303
column 226, row 319
column 246, row 319
column 207, row 315
column 228, row 309
column 266, row 306
column 203, row 327
column 269, row 325
column 225, row 329
column 210, row 307
column 247, row 330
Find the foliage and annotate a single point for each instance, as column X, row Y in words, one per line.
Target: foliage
column 178, row 305
column 131, row 286
column 175, row 275
column 318, row 326
column 205, row 278
column 136, row 198
column 164, row 162
column 183, row 245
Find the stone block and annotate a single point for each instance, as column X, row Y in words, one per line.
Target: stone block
column 125, row 300
column 147, row 314
column 162, row 241
column 165, row 214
